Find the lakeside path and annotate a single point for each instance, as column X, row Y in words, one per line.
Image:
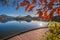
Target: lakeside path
column 31, row 35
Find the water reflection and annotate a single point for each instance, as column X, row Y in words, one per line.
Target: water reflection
column 5, row 21
column 40, row 23
column 8, row 28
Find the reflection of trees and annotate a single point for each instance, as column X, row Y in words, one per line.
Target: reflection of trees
column 1, row 18
column 3, row 21
column 23, row 20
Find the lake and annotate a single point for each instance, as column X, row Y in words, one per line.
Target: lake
column 9, row 28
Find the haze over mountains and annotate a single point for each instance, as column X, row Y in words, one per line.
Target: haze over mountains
column 28, row 17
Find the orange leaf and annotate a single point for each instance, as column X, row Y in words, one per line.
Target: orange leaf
column 22, row 4
column 52, row 12
column 30, row 8
column 45, row 15
column 44, row 8
column 27, row 7
column 25, row 2
column 50, row 5
column 49, row 17
column 52, row 1
column 56, row 0
column 43, row 1
column 33, row 1
column 58, row 11
column 39, row 13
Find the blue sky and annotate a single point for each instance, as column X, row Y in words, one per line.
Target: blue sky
column 9, row 10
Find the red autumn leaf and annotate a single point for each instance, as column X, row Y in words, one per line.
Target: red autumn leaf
column 45, row 15
column 30, row 8
column 50, row 5
column 58, row 11
column 52, row 12
column 52, row 1
column 39, row 13
column 44, row 8
column 33, row 1
column 54, row 9
column 42, row 1
column 56, row 1
column 49, row 17
column 27, row 7
column 1, row 18
column 22, row 4
column 25, row 2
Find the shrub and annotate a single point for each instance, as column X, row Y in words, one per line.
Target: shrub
column 53, row 32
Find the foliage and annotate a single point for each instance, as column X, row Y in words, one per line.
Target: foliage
column 54, row 32
column 48, row 8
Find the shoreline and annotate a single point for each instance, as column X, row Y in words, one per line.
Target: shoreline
column 30, row 34
column 11, row 36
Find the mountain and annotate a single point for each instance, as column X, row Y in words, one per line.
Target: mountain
column 28, row 17
column 6, row 17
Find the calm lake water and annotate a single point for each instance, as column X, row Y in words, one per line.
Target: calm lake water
column 13, row 27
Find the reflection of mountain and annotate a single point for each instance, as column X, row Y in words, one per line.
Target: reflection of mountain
column 3, row 21
column 28, row 20
column 56, row 18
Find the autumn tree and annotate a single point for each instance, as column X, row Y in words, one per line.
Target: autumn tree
column 46, row 9
column 49, row 7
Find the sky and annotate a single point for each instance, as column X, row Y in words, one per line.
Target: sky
column 11, row 10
